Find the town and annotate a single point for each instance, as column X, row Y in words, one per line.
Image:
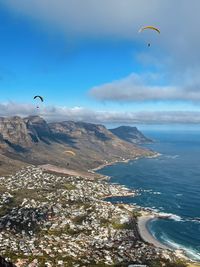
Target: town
column 56, row 220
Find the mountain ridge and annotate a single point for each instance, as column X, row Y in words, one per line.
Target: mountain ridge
column 32, row 140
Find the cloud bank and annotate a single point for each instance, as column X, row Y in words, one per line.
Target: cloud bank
column 121, row 19
column 136, row 88
column 54, row 113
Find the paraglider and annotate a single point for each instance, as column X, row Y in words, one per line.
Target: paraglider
column 40, row 97
column 70, row 152
column 149, row 28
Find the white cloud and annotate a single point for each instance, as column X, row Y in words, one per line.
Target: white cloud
column 81, row 114
column 138, row 88
column 178, row 20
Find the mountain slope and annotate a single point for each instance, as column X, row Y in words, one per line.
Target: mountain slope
column 33, row 141
column 130, row 134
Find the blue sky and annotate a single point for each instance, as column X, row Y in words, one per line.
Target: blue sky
column 89, row 61
column 34, row 61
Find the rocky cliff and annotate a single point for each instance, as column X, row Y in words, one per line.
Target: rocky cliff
column 34, row 141
column 131, row 134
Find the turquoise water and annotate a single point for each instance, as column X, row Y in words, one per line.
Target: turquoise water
column 168, row 184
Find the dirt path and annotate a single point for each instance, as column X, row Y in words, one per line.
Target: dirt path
column 84, row 174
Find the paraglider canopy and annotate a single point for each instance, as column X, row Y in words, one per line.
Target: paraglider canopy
column 70, row 152
column 149, row 28
column 38, row 96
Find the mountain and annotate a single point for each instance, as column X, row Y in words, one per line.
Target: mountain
column 131, row 134
column 34, row 141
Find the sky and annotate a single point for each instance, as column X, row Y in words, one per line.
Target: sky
column 88, row 61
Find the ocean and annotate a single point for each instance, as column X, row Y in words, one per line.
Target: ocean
column 168, row 184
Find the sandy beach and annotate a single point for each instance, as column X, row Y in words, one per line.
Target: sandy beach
column 148, row 237
column 145, row 234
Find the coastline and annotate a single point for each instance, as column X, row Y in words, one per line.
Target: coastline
column 145, row 233
column 109, row 164
column 155, row 155
column 146, row 236
column 146, row 217
column 128, row 194
column 143, row 220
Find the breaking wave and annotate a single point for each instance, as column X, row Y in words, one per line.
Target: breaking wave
column 171, row 216
column 191, row 253
column 171, row 156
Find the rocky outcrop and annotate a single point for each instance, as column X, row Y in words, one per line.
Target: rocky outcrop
column 81, row 129
column 131, row 134
column 38, row 128
column 14, row 132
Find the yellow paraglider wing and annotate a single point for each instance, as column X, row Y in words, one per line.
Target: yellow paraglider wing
column 70, row 152
column 150, row 28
